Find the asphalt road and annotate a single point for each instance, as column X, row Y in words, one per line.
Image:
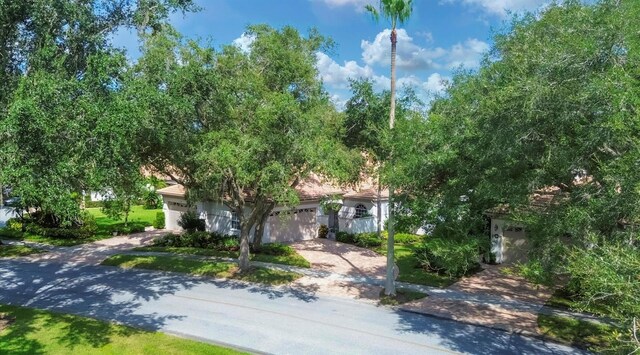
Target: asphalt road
column 261, row 319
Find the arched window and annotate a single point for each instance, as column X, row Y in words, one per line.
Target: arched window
column 361, row 211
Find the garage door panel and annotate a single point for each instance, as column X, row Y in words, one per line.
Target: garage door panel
column 292, row 226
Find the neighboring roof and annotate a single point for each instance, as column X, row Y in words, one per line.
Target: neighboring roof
column 368, row 193
column 173, row 190
column 539, row 200
column 313, row 187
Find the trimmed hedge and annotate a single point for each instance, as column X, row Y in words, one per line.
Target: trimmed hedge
column 453, row 257
column 364, row 240
column 202, row 240
column 158, row 223
column 131, row 227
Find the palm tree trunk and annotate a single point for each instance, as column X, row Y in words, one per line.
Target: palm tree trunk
column 390, row 286
column 379, row 208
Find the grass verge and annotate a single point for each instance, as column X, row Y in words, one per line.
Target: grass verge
column 578, row 333
column 293, row 259
column 12, row 251
column 200, row 267
column 34, row 331
column 410, row 270
column 402, row 296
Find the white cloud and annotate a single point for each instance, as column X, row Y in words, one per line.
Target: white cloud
column 435, row 84
column 244, row 42
column 358, row 4
column 502, row 7
column 337, row 76
column 467, row 54
column 409, row 55
column 412, row 57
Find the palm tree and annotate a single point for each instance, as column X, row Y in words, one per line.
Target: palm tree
column 397, row 12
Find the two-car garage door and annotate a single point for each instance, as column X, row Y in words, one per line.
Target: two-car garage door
column 288, row 226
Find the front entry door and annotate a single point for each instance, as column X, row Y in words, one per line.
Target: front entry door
column 334, row 224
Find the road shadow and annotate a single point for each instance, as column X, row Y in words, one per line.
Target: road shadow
column 472, row 339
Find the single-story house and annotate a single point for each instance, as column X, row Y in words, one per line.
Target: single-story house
column 357, row 212
column 509, row 243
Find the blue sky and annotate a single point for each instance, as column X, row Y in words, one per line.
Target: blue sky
column 442, row 35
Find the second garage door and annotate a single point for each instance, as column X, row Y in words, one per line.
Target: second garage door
column 288, row 226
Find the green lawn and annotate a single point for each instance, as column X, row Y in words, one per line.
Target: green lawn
column 41, row 332
column 293, row 260
column 137, row 215
column 201, row 267
column 105, row 224
column 12, row 251
column 410, row 270
column 576, row 332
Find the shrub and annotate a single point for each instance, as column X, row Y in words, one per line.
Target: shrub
column 131, row 227
column 158, row 223
column 277, row 249
column 89, row 223
column 202, row 240
column 14, row 224
column 323, row 231
column 403, row 238
column 368, row 240
column 344, row 237
column 151, row 200
column 168, row 240
column 190, row 222
column 364, row 240
column 229, row 243
column 453, row 257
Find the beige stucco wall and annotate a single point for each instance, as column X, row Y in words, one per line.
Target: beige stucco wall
column 509, row 241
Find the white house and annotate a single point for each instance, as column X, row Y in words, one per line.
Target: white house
column 357, row 214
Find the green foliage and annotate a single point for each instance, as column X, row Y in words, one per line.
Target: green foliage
column 276, row 249
column 151, row 200
column 364, row 240
column 203, row 240
column 190, row 222
column 583, row 334
column 323, row 231
column 14, row 224
column 452, row 257
column 159, row 222
column 607, row 277
column 125, row 229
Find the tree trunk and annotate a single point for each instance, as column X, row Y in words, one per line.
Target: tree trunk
column 257, row 238
column 390, row 286
column 243, row 259
column 379, row 208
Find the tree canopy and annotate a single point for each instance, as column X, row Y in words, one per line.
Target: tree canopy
column 251, row 124
column 554, row 107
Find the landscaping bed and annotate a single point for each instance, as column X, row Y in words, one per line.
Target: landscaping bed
column 224, row 246
column 99, row 227
column 402, row 296
column 202, row 268
column 31, row 331
column 12, row 251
